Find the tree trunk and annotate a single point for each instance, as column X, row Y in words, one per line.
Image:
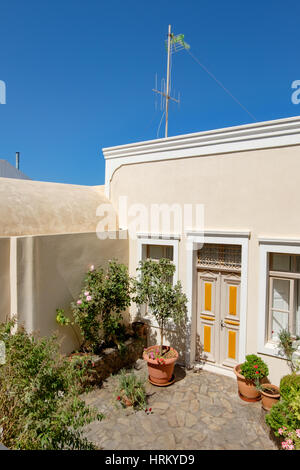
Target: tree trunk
column 161, row 338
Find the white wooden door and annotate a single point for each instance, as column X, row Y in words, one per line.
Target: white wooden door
column 218, row 317
column 229, row 318
column 208, row 314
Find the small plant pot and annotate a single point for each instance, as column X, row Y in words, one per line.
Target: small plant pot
column 246, row 388
column 126, row 401
column 270, row 396
column 139, row 328
column 160, row 374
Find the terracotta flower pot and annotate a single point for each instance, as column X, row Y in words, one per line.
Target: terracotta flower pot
column 126, row 401
column 268, row 398
column 247, row 389
column 160, row 374
column 140, row 328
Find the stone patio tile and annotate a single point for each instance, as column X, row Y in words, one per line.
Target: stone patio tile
column 200, row 410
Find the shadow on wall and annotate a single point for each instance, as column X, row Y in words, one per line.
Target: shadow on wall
column 176, row 338
column 200, row 356
column 51, row 270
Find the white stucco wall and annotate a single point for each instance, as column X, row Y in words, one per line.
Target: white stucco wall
column 253, row 190
column 49, row 275
column 4, row 278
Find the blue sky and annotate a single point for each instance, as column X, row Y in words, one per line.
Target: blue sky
column 79, row 75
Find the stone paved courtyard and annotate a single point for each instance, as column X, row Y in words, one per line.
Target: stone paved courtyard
column 200, row 410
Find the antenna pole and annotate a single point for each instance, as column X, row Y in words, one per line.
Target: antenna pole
column 17, row 160
column 168, row 81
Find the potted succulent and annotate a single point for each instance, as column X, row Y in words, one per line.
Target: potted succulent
column 249, row 376
column 165, row 301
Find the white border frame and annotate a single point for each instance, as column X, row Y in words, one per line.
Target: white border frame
column 266, row 246
column 227, row 238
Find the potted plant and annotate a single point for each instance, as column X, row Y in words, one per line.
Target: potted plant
column 164, row 301
column 288, row 345
column 139, row 328
column 249, row 376
column 131, row 391
column 270, row 395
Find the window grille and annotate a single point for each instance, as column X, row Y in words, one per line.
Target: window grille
column 221, row 257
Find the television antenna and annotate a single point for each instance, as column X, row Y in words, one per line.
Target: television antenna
column 173, row 44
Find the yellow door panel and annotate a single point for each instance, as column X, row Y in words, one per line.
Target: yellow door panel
column 207, row 298
column 207, row 338
column 232, row 300
column 231, row 344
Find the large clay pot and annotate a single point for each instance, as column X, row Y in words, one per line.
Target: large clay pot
column 247, row 389
column 160, row 374
column 269, row 399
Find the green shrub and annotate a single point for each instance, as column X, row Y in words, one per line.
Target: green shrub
column 254, row 368
column 284, row 417
column 97, row 312
column 287, row 383
column 295, row 403
column 40, row 406
column 281, row 415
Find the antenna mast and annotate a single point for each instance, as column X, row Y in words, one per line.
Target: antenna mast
column 168, row 81
column 174, row 44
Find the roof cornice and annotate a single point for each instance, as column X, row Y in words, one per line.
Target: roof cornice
column 268, row 134
column 246, row 132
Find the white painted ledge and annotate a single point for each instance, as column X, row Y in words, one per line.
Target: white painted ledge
column 263, row 135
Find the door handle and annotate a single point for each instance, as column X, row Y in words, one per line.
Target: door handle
column 222, row 324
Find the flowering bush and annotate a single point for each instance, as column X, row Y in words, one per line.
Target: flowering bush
column 292, row 438
column 97, row 311
column 254, row 369
column 284, row 417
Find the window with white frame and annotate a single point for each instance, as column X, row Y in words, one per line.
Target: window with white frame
column 156, row 252
column 283, row 294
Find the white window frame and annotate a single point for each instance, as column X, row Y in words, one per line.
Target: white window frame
column 163, row 240
column 145, row 239
column 266, row 247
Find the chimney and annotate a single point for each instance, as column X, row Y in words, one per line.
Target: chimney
column 17, row 160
